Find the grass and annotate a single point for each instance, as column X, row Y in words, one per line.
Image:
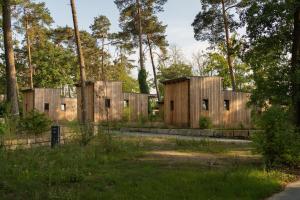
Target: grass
column 117, row 167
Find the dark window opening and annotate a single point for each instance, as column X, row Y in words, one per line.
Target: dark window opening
column 126, row 103
column 26, row 107
column 107, row 103
column 172, row 105
column 205, row 104
column 46, row 107
column 63, row 107
column 226, row 104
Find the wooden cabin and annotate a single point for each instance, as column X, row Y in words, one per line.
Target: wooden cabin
column 105, row 101
column 187, row 99
column 50, row 102
column 137, row 105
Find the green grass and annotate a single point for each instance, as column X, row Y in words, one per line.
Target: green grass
column 112, row 168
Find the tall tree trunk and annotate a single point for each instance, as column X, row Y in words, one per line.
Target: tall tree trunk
column 102, row 61
column 11, row 79
column 144, row 88
column 28, row 41
column 140, row 33
column 295, row 71
column 228, row 44
column 153, row 67
column 81, row 64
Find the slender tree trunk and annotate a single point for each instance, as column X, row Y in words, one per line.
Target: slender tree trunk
column 153, row 67
column 140, row 33
column 28, row 41
column 295, row 71
column 81, row 64
column 228, row 44
column 102, row 61
column 11, row 79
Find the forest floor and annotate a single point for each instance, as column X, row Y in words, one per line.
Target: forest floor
column 133, row 167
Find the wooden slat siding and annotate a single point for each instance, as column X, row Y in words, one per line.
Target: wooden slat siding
column 138, row 105
column 46, row 95
column 90, row 102
column 205, row 88
column 28, row 98
column 239, row 113
column 113, row 91
column 71, row 110
column 177, row 92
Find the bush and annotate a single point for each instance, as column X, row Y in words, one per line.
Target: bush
column 126, row 115
column 3, row 128
column 205, row 122
column 278, row 143
column 34, row 123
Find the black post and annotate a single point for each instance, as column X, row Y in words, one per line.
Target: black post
column 55, row 136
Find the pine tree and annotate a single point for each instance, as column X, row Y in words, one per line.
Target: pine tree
column 11, row 79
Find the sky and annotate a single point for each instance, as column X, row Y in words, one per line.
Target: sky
column 178, row 15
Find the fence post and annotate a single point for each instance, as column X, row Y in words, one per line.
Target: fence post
column 55, row 136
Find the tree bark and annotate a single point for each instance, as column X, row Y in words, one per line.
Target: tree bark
column 295, row 70
column 103, row 77
column 11, row 79
column 28, row 41
column 228, row 44
column 153, row 67
column 140, row 34
column 81, row 64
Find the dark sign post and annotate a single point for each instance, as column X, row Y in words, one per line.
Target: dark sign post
column 55, row 136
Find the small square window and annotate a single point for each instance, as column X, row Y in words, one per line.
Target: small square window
column 107, row 103
column 172, row 105
column 46, row 107
column 63, row 107
column 205, row 104
column 226, row 104
column 126, row 103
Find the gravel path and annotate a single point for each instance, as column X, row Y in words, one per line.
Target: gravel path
column 187, row 137
column 291, row 192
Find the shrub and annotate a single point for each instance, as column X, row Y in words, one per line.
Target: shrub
column 205, row 122
column 126, row 115
column 3, row 128
column 34, row 123
column 278, row 143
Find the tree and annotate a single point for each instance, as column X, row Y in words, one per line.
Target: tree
column 214, row 23
column 133, row 18
column 33, row 19
column 81, row 64
column 100, row 29
column 11, row 79
column 269, row 49
column 215, row 64
column 295, row 71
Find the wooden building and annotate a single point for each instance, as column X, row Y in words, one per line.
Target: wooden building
column 137, row 105
column 187, row 99
column 105, row 101
column 50, row 102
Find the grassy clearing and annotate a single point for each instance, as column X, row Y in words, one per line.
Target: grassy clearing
column 116, row 168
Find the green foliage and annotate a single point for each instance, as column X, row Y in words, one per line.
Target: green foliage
column 279, row 143
column 209, row 23
column 3, row 127
column 205, row 122
column 75, row 172
column 84, row 133
column 142, row 77
column 34, row 123
column 268, row 48
column 126, row 114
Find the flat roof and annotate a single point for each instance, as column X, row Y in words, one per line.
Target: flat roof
column 184, row 78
